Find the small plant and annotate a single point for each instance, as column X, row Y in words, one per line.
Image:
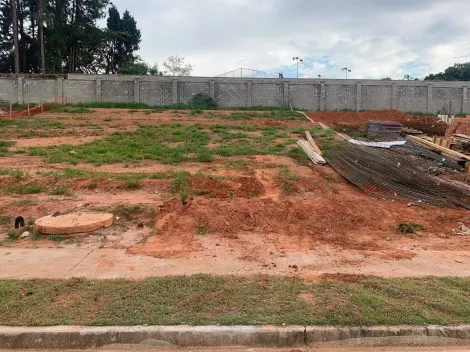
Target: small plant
column 196, row 112
column 205, row 155
column 202, row 229
column 407, row 228
column 329, row 178
column 61, row 191
column 180, row 185
column 287, row 179
column 132, row 182
column 203, row 101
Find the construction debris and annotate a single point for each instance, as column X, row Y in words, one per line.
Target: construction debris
column 312, row 154
column 459, row 126
column 384, row 130
column 386, row 174
column 449, row 153
column 312, row 143
column 385, row 145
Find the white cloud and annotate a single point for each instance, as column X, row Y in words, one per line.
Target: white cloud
column 373, row 38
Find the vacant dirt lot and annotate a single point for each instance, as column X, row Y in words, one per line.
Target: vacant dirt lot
column 229, row 186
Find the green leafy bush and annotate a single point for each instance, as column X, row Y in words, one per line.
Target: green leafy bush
column 203, row 100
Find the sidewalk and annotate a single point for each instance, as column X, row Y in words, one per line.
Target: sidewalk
column 57, row 263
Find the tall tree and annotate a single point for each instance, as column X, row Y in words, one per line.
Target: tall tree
column 123, row 39
column 41, row 5
column 15, row 35
column 63, row 36
column 458, row 72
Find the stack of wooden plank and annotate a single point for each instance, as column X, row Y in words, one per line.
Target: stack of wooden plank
column 448, row 153
column 311, row 149
column 383, row 129
column 411, row 131
column 464, row 141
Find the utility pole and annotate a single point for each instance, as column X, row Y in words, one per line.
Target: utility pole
column 15, row 35
column 347, row 70
column 298, row 59
column 41, row 35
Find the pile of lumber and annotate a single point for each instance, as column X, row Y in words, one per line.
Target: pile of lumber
column 459, row 126
column 311, row 149
column 411, row 131
column 464, row 141
column 383, row 129
column 448, row 153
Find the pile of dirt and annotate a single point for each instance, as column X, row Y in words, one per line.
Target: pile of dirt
column 347, row 119
column 243, row 187
column 344, row 221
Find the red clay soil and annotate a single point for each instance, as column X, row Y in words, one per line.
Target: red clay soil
column 243, row 187
column 344, row 220
column 427, row 124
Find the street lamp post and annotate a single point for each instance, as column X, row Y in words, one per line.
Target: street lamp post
column 298, row 59
column 347, row 70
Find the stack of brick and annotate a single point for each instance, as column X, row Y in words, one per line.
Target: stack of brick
column 459, row 126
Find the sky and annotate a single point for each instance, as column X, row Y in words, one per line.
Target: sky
column 373, row 38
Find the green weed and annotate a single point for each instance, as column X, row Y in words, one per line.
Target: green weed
column 18, row 189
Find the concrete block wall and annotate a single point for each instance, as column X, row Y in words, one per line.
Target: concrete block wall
column 38, row 90
column 309, row 94
column 8, row 89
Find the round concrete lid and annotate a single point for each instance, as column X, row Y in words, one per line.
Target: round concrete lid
column 73, row 223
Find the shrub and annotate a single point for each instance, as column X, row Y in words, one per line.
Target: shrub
column 203, row 100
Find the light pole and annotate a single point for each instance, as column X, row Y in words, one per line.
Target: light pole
column 347, row 70
column 298, row 59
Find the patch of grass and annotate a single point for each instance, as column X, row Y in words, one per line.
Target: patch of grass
column 71, row 110
column 180, row 185
column 5, row 219
column 113, row 105
column 60, row 191
column 237, row 163
column 4, row 145
column 16, row 173
column 128, row 212
column 407, row 228
column 27, row 202
column 196, row 112
column 275, row 114
column 57, row 238
column 18, row 189
column 287, row 179
column 205, row 155
column 236, row 300
column 132, row 182
column 170, row 144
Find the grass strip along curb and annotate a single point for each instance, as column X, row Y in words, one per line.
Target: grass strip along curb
column 228, row 300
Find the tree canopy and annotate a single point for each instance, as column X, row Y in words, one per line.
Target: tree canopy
column 74, row 42
column 458, row 72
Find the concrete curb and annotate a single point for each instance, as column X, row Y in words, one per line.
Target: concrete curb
column 75, row 337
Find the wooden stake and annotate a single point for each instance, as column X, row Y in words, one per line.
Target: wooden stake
column 11, row 109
